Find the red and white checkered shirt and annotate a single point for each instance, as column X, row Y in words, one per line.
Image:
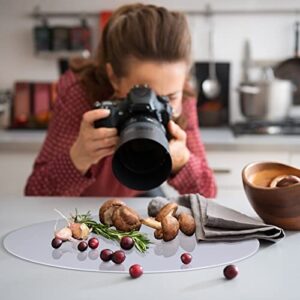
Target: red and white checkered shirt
column 55, row 175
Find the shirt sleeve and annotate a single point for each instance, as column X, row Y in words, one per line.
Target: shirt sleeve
column 196, row 176
column 53, row 171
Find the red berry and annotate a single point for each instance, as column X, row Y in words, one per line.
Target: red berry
column 230, row 271
column 56, row 243
column 118, row 257
column 136, row 271
column 82, row 246
column 106, row 254
column 93, row 243
column 126, row 242
column 186, row 258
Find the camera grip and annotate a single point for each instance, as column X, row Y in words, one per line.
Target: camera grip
column 106, row 122
column 111, row 120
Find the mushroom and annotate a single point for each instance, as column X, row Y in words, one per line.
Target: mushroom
column 167, row 229
column 187, row 224
column 107, row 209
column 157, row 203
column 125, row 218
column 167, row 210
column 284, row 181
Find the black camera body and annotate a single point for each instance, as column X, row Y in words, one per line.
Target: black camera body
column 142, row 160
column 141, row 102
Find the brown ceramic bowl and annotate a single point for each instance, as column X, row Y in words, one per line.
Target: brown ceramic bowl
column 278, row 205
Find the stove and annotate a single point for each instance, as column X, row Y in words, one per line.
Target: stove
column 288, row 127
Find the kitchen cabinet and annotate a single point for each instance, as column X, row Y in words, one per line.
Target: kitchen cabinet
column 228, row 165
column 227, row 155
column 15, row 168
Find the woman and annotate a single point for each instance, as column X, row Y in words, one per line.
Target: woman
column 141, row 44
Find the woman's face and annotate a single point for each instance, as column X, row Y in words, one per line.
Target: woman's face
column 166, row 79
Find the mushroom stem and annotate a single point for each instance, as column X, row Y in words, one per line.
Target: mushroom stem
column 152, row 223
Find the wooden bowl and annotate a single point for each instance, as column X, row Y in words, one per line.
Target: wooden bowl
column 275, row 205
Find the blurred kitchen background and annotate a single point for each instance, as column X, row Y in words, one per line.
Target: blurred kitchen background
column 246, row 73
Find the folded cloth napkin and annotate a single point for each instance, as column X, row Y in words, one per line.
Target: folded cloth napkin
column 215, row 222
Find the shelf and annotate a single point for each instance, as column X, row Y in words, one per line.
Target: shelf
column 205, row 12
column 63, row 54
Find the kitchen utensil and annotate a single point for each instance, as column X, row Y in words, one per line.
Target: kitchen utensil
column 80, row 37
column 269, row 99
column 60, row 38
column 42, row 37
column 41, row 104
column 161, row 256
column 211, row 86
column 246, row 63
column 21, row 105
column 278, row 205
column 5, row 108
column 290, row 69
column 213, row 112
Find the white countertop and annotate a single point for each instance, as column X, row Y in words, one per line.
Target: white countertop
column 214, row 139
column 272, row 273
column 223, row 139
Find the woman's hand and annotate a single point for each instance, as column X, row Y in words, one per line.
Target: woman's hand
column 93, row 144
column 179, row 152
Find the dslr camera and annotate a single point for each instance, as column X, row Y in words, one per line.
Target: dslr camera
column 142, row 160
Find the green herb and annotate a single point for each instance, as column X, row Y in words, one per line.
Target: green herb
column 141, row 241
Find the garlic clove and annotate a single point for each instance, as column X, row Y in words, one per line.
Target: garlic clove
column 85, row 231
column 80, row 231
column 65, row 234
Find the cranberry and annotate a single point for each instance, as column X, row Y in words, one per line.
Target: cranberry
column 126, row 242
column 186, row 258
column 106, row 254
column 230, row 271
column 82, row 246
column 56, row 243
column 118, row 257
column 93, row 243
column 136, row 271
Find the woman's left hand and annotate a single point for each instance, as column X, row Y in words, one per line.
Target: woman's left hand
column 180, row 154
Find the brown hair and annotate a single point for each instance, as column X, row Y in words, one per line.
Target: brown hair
column 144, row 32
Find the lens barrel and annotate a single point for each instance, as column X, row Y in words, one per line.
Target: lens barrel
column 142, row 160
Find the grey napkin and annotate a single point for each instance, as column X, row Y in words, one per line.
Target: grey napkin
column 215, row 222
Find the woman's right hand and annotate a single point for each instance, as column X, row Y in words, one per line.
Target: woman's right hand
column 93, row 144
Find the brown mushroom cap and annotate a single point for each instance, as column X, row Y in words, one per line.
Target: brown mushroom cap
column 167, row 210
column 107, row 209
column 158, row 234
column 125, row 218
column 284, row 180
column 170, row 228
column 187, row 224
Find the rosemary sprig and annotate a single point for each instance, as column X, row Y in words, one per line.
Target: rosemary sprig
column 141, row 241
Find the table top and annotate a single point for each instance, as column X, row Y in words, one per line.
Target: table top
column 272, row 273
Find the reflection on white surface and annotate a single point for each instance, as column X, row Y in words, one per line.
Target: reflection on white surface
column 33, row 243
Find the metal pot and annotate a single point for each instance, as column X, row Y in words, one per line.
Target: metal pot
column 266, row 100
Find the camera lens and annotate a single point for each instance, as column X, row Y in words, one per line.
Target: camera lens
column 142, row 160
column 142, row 156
